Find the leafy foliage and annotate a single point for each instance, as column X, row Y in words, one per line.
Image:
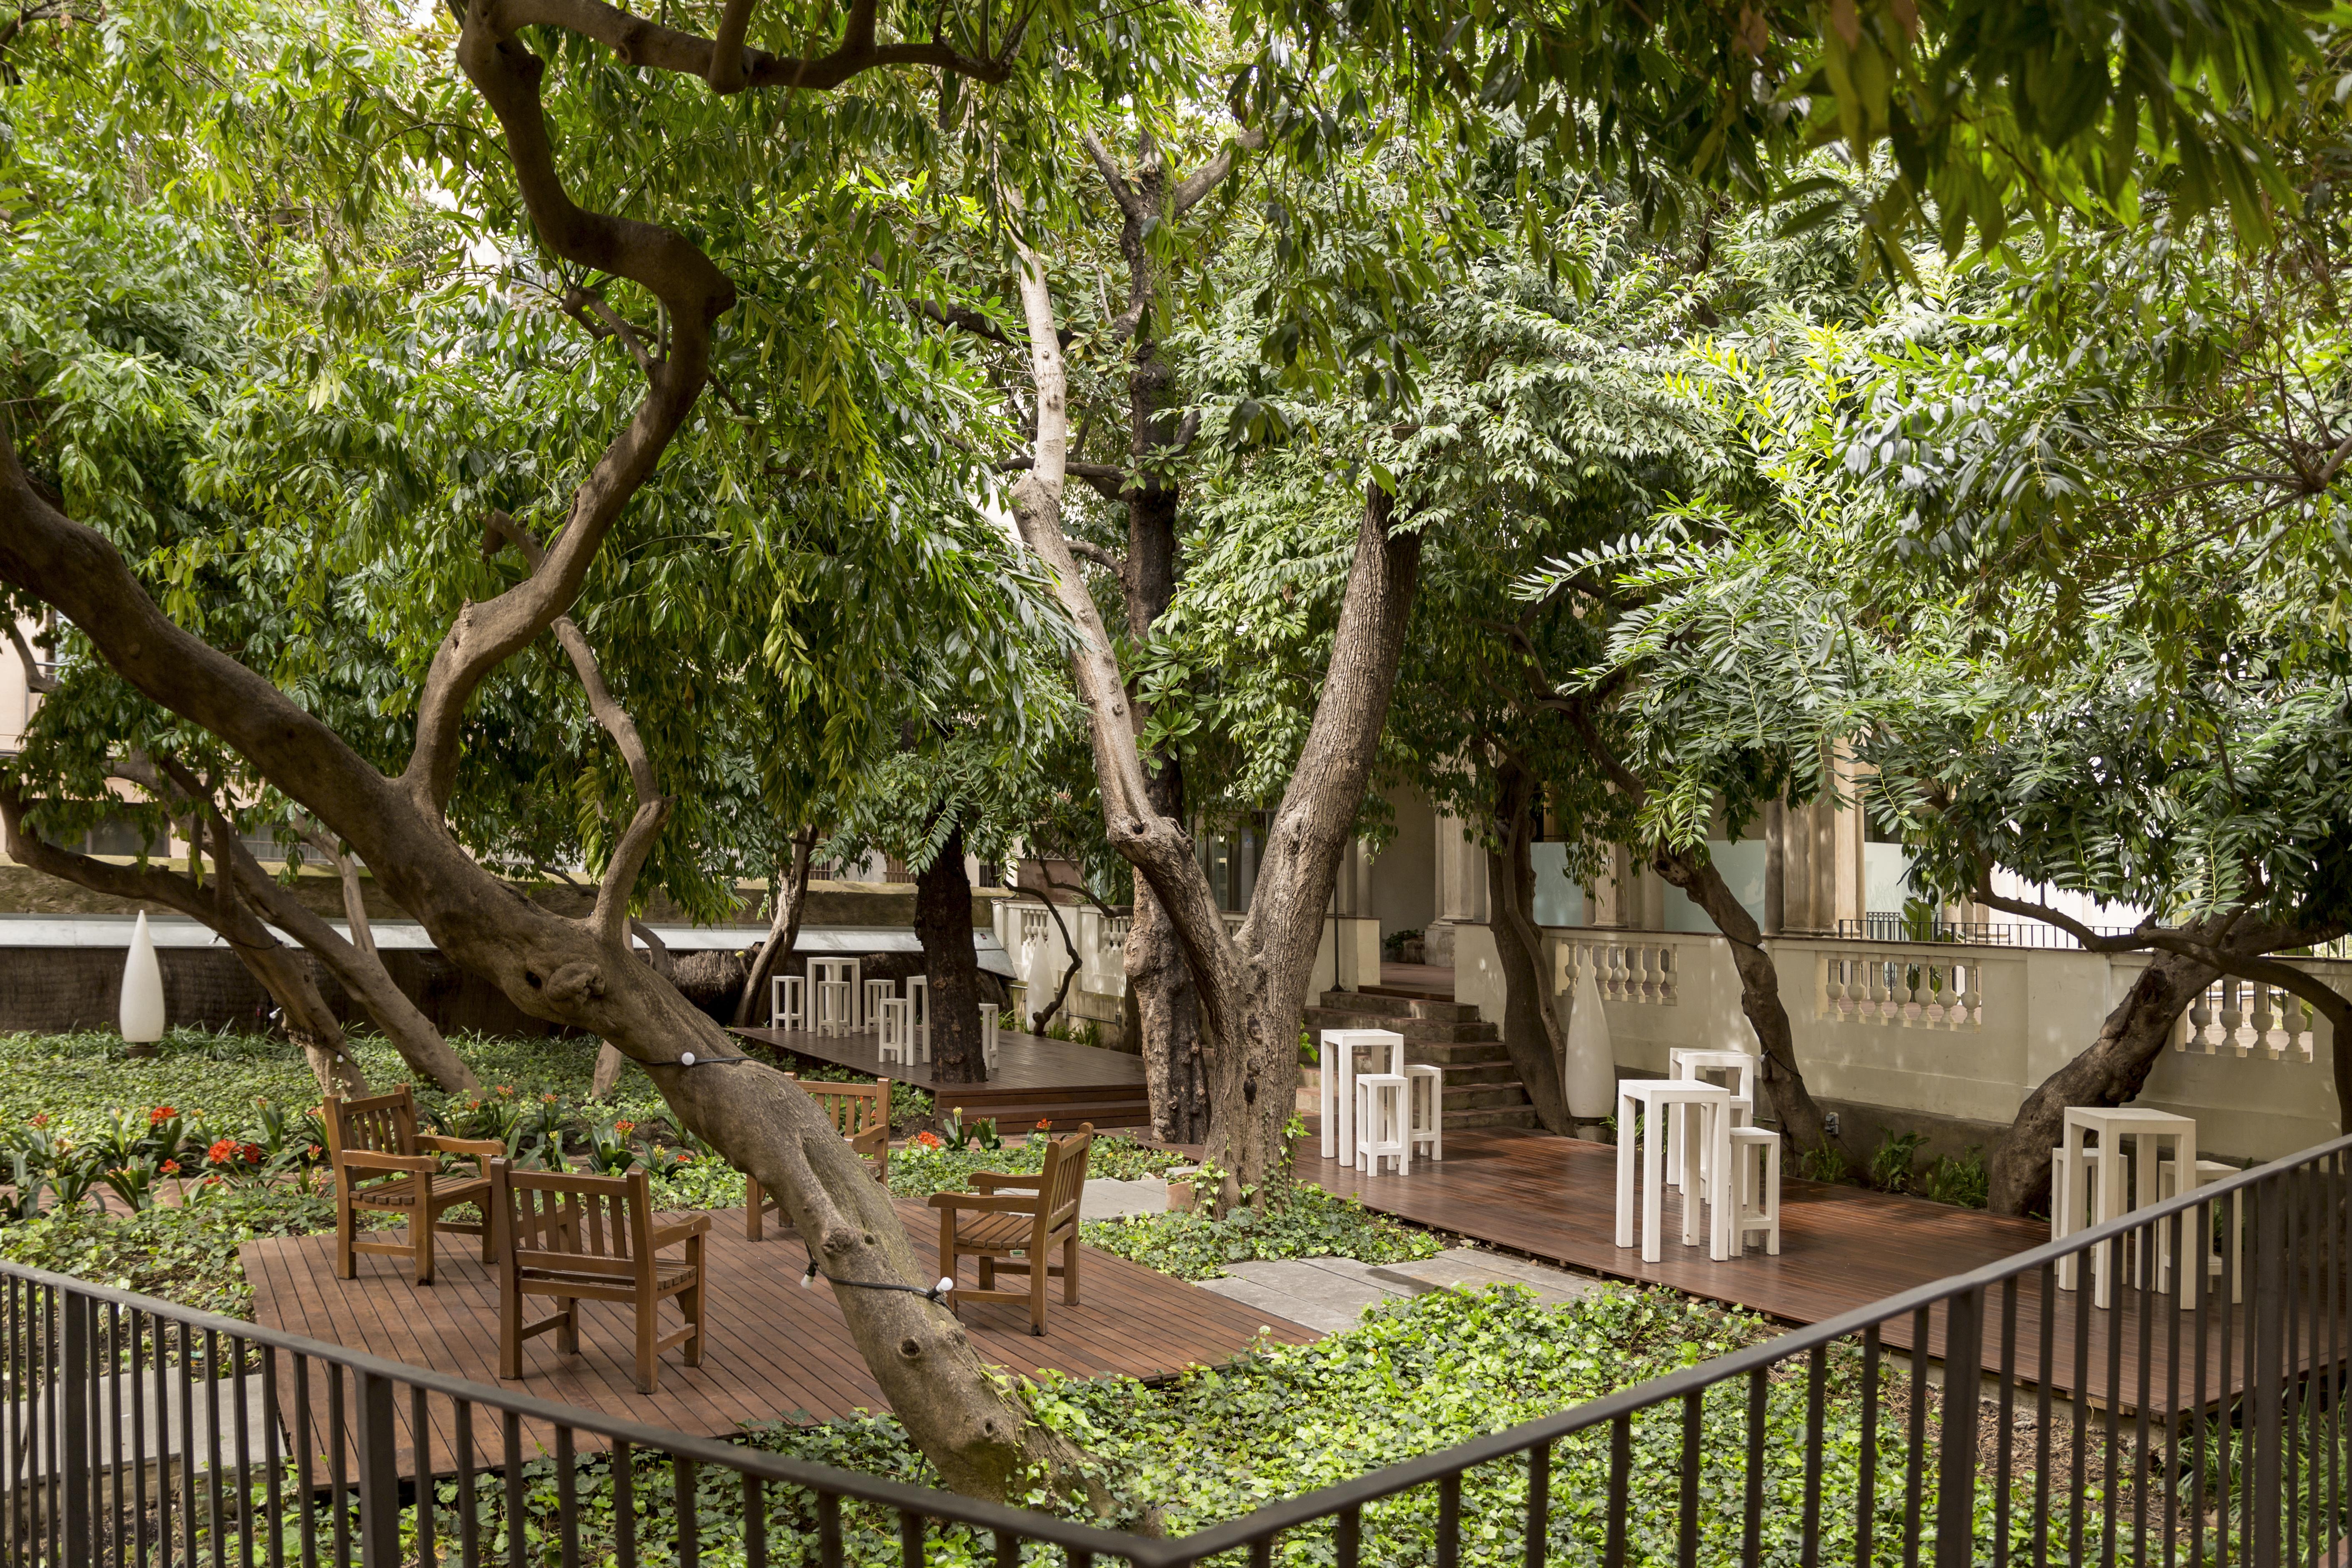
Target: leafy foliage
column 1300, row 1220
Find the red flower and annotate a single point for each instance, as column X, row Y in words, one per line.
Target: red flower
column 212, row 1181
column 252, row 1153
column 170, row 1167
column 506, row 1089
column 1045, row 1124
column 685, row 1156
column 223, row 1153
column 40, row 1119
column 624, row 1128
column 929, row 1140
column 160, row 1115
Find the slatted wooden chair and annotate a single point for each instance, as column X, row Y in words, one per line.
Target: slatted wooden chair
column 860, row 1112
column 993, row 1224
column 383, row 1166
column 592, row 1238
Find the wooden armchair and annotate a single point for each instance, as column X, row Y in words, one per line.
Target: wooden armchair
column 860, row 1112
column 592, row 1238
column 382, row 1164
column 993, row 1223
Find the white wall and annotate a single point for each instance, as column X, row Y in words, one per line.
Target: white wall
column 2015, row 1017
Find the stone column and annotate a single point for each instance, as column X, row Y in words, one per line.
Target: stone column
column 1461, row 889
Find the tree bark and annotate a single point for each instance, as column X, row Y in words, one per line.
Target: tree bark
column 2110, row 1072
column 1759, row 996
column 305, row 1017
column 1531, row 1030
column 1042, row 1021
column 578, row 972
column 943, row 921
column 1253, row 983
column 789, row 900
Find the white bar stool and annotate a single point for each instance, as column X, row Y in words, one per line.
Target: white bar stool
column 1336, row 1098
column 988, row 1035
column 2149, row 1131
column 919, row 992
column 896, row 1039
column 1424, row 1108
column 1739, row 1067
column 1382, row 1131
column 1666, row 1098
column 821, row 970
column 2231, row 1261
column 877, row 992
column 787, row 1002
column 1756, row 1159
column 835, row 1003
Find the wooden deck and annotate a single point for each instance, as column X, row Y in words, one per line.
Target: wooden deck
column 777, row 1350
column 1840, row 1247
column 1035, row 1078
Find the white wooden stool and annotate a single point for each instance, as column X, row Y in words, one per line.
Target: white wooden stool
column 835, row 1006
column 1381, row 1129
column 2149, row 1131
column 2229, row 1262
column 787, row 1002
column 1756, row 1159
column 1739, row 1067
column 1424, row 1108
column 988, row 1035
column 821, row 970
column 1664, row 1098
column 897, row 1042
column 877, row 992
column 1336, row 1101
column 918, row 994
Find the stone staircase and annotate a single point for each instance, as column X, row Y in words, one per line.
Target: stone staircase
column 1482, row 1088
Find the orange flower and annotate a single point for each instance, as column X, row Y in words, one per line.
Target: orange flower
column 624, row 1128
column 929, row 1140
column 223, row 1153
column 170, row 1167
column 160, row 1115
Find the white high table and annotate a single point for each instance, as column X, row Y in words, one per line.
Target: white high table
column 1677, row 1097
column 1338, row 1082
column 2149, row 1131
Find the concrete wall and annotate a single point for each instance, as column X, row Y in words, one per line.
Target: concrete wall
column 1348, row 956
column 1958, row 1070
column 1404, row 875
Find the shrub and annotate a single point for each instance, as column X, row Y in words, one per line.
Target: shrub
column 1891, row 1163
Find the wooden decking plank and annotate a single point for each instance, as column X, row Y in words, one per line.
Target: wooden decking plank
column 775, row 1349
column 1840, row 1249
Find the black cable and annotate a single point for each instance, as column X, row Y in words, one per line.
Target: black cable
column 937, row 1292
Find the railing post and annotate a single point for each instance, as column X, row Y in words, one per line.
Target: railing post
column 2262, row 1533
column 379, row 1475
column 72, row 1459
column 1956, row 1488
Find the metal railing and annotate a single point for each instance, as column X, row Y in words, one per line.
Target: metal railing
column 2195, row 1420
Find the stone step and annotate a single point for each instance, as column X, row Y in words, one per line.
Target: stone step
column 1491, row 1115
column 1483, row 1097
column 1414, row 1029
column 1394, row 1007
column 1456, row 1053
column 1464, row 1075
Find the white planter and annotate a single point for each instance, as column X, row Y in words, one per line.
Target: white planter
column 1588, row 1078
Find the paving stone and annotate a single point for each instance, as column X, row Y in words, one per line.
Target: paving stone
column 1110, row 1200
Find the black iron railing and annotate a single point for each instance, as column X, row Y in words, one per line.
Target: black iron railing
column 1991, row 1417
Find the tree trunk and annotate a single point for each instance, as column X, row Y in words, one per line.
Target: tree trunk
column 577, row 972
column 1039, row 1023
column 790, row 898
column 1531, row 1031
column 1167, row 1011
column 307, row 1019
column 1168, row 1023
column 2109, row 1073
column 358, row 969
column 943, row 921
column 1759, row 996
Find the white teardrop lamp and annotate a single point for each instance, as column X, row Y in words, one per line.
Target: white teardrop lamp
column 143, row 994
column 1589, row 1076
